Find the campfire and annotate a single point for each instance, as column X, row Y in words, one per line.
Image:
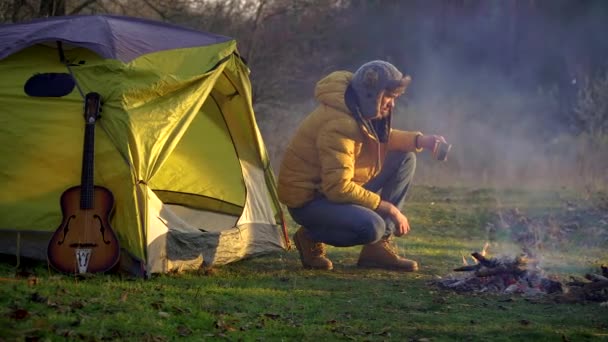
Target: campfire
column 521, row 273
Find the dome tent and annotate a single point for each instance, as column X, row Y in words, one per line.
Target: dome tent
column 177, row 142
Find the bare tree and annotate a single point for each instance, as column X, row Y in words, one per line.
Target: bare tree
column 22, row 10
column 49, row 8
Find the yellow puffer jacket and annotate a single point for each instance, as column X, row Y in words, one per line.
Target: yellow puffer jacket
column 332, row 154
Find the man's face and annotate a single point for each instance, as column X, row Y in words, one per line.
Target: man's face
column 386, row 105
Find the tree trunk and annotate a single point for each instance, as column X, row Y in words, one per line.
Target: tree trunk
column 50, row 8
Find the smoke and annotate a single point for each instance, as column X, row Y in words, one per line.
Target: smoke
column 501, row 87
column 499, row 79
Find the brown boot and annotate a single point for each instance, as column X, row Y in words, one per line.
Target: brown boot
column 382, row 255
column 312, row 254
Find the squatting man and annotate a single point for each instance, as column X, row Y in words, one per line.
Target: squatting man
column 345, row 173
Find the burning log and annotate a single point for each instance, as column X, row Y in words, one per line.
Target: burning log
column 518, row 274
column 484, row 261
column 576, row 281
column 591, row 291
column 596, row 286
column 490, row 266
column 552, row 286
column 595, row 289
column 595, row 277
column 502, row 269
column 467, row 268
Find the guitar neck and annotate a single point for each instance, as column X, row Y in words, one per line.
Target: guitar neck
column 91, row 113
column 87, row 183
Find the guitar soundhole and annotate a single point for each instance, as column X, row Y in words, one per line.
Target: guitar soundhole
column 102, row 229
column 66, row 229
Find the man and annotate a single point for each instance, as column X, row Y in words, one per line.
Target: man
column 345, row 173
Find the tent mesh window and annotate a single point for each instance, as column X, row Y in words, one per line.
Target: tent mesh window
column 49, row 85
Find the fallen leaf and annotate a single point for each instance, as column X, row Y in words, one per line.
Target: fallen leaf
column 36, row 297
column 31, row 281
column 77, row 304
column 224, row 326
column 157, row 305
column 23, row 274
column 8, row 279
column 385, row 333
column 179, row 310
column 183, row 331
column 41, row 324
column 272, row 315
column 65, row 332
column 33, row 336
column 19, row 314
column 210, row 272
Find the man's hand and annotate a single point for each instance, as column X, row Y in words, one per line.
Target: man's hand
column 430, row 142
column 402, row 225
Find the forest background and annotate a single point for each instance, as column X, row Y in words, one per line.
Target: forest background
column 519, row 87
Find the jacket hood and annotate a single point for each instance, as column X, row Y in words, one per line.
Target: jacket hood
column 372, row 80
column 330, row 90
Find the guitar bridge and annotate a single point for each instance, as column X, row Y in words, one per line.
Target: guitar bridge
column 83, row 245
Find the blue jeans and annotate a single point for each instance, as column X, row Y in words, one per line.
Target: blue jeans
column 343, row 225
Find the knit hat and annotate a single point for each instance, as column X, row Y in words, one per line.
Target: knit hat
column 370, row 82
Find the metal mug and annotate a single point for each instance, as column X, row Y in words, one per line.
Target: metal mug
column 440, row 152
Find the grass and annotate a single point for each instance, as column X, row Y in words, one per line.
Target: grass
column 271, row 298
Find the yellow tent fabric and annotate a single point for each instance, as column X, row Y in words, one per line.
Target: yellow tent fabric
column 178, row 122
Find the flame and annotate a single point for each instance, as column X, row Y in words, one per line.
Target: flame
column 474, row 261
column 464, row 260
column 484, row 250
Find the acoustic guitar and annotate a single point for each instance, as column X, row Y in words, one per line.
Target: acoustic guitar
column 85, row 241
